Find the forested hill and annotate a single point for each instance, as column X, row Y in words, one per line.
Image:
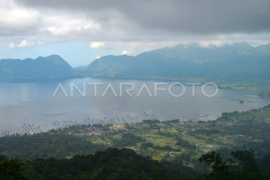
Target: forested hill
column 125, row 164
column 42, row 67
column 238, row 61
column 230, row 62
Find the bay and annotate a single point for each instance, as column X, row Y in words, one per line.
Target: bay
column 33, row 104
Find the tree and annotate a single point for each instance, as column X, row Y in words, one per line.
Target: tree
column 244, row 168
column 11, row 169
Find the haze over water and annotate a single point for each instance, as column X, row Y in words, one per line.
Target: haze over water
column 33, row 103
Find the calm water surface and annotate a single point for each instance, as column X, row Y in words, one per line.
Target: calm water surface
column 33, row 103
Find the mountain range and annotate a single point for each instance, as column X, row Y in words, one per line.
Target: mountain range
column 236, row 61
column 231, row 61
column 42, row 67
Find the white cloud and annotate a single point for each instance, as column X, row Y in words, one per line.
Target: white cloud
column 23, row 44
column 207, row 44
column 96, row 44
column 97, row 57
column 12, row 45
column 124, row 52
column 104, row 45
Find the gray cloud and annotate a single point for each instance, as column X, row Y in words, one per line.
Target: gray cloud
column 134, row 25
column 170, row 16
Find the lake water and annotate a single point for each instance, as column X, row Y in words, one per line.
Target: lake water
column 33, row 103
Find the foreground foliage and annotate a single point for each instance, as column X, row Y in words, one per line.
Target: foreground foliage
column 110, row 164
column 114, row 164
column 11, row 169
column 243, row 167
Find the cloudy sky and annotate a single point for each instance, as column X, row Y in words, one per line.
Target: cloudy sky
column 83, row 30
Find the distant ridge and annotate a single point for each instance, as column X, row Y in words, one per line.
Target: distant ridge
column 231, row 61
column 42, row 67
column 238, row 61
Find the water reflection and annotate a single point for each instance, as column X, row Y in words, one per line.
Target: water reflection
column 33, row 103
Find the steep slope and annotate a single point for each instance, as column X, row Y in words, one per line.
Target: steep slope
column 42, row 67
column 236, row 61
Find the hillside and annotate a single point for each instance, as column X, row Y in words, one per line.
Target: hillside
column 42, row 67
column 150, row 149
column 229, row 62
column 237, row 62
column 109, row 164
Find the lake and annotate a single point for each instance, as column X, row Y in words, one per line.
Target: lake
column 92, row 99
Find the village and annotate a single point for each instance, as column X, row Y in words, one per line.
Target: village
column 171, row 138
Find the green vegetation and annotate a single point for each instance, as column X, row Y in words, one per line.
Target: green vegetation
column 175, row 144
column 158, row 139
column 246, row 167
column 47, row 145
column 127, row 139
column 109, row 164
column 126, row 164
column 11, row 169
